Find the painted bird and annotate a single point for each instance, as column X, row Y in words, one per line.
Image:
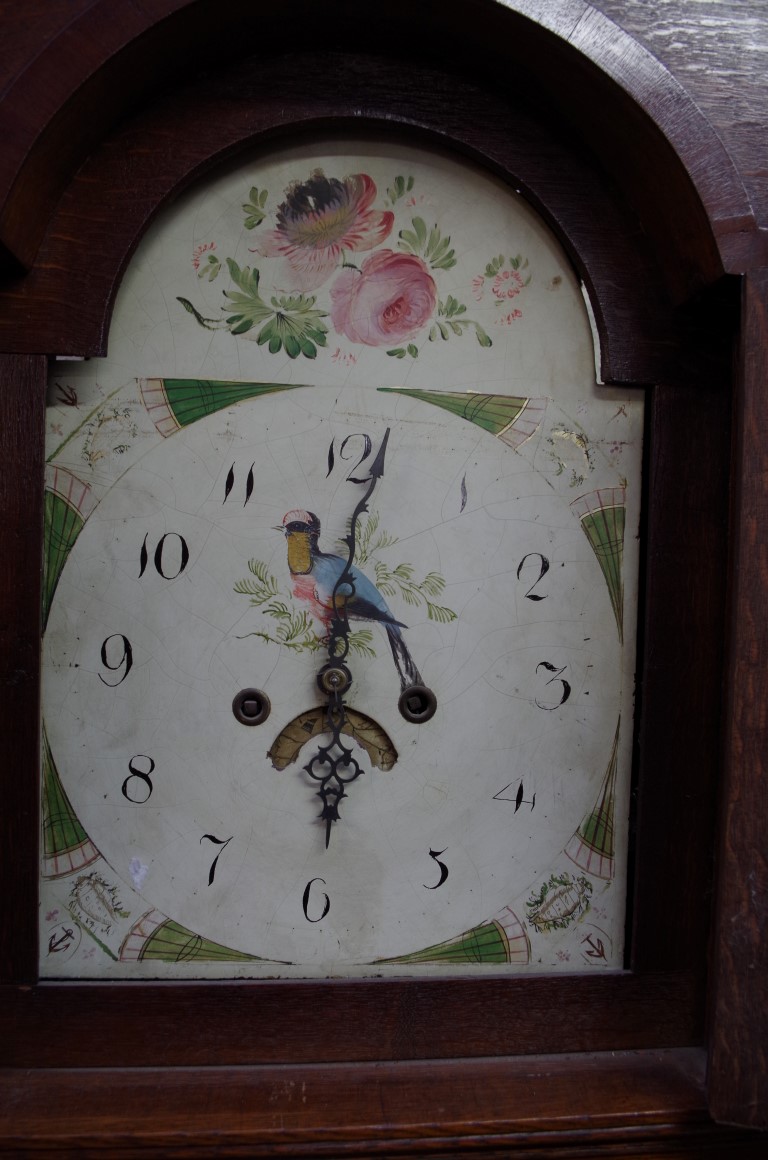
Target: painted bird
column 314, row 575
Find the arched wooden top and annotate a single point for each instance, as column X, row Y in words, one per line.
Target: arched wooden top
column 555, row 98
column 102, row 58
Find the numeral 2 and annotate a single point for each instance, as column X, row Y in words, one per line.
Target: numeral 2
column 543, row 569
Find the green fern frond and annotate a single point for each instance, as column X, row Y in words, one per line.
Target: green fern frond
column 298, row 630
column 259, row 570
column 439, row 613
column 410, row 596
column 263, row 588
column 278, row 609
column 360, row 643
column 433, row 583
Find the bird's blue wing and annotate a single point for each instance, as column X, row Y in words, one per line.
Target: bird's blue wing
column 365, row 603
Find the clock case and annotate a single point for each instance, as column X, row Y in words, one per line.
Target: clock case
column 648, row 205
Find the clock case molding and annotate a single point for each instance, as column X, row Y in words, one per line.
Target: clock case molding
column 120, row 111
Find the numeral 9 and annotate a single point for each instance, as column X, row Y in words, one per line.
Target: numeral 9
column 124, row 661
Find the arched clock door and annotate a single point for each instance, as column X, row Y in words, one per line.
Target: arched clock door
column 406, row 353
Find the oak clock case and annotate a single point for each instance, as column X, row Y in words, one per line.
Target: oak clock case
column 373, row 365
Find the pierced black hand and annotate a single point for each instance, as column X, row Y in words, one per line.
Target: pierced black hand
column 333, row 765
column 344, row 588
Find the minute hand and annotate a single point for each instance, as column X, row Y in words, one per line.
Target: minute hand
column 344, row 588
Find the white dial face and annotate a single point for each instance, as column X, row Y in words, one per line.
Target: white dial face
column 208, row 532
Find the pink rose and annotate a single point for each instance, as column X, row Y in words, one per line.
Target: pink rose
column 387, row 300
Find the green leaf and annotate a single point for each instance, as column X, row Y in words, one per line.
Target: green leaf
column 398, row 352
column 208, row 323
column 291, row 322
column 264, row 587
column 247, row 307
column 413, row 350
column 438, row 253
column 431, row 244
column 241, row 325
column 360, row 642
column 254, row 209
column 450, row 307
column 210, row 268
column 279, row 609
column 482, row 337
column 414, row 240
column 399, row 187
column 433, row 583
column 248, row 283
column 439, row 613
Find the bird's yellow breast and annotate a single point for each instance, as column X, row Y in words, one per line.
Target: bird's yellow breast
column 299, row 555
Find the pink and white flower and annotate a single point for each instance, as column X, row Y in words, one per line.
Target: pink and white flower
column 389, row 299
column 508, row 319
column 478, row 284
column 319, row 220
column 507, row 284
column 344, row 357
column 198, row 252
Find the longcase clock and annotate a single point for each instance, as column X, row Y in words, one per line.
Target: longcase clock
column 369, row 482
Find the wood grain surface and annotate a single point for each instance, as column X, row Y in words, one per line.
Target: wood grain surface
column 22, row 416
column 638, row 1104
column 718, row 51
column 739, row 1016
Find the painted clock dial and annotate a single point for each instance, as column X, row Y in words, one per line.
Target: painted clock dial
column 276, row 330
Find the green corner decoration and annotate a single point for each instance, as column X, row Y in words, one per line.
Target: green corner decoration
column 501, row 939
column 157, row 938
column 603, row 514
column 592, row 846
column 66, row 846
column 176, row 403
column 68, row 503
column 511, row 418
